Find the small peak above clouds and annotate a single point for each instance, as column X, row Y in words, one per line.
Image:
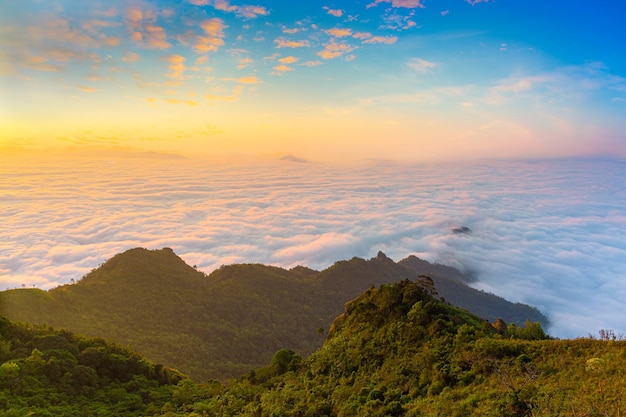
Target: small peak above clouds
column 461, row 230
column 292, row 158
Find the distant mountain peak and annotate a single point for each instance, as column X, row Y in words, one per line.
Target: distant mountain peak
column 292, row 158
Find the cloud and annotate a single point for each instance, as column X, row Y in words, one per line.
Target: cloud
column 249, row 12
column 339, row 32
column 333, row 12
column 281, row 69
column 130, row 57
column 362, row 35
column 155, row 37
column 548, row 233
column 252, row 11
column 288, row 60
column 213, row 36
column 335, row 49
column 251, row 79
column 397, row 21
column 141, row 23
column 285, row 43
column 291, row 31
column 381, row 39
column 244, row 63
column 234, row 96
column 86, row 89
column 566, row 84
column 176, row 66
column 191, row 103
column 408, row 4
column 420, row 65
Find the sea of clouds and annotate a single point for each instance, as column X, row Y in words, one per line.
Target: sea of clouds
column 548, row 233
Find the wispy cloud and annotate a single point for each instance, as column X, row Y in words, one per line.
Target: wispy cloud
column 176, row 66
column 281, row 69
column 286, row 43
column 333, row 12
column 250, row 12
column 339, row 32
column 335, row 49
column 420, row 65
column 213, row 36
column 288, row 60
column 130, row 57
column 250, row 79
column 86, row 89
column 388, row 40
column 408, row 4
column 245, row 11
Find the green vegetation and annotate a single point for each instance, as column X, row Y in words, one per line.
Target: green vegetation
column 396, row 350
column 451, row 285
column 44, row 372
column 222, row 325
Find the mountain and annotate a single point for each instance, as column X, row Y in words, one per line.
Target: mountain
column 398, row 351
column 224, row 324
column 451, row 284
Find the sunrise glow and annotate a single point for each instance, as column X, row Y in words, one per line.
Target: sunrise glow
column 413, row 80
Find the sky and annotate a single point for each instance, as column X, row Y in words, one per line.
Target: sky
column 323, row 80
column 308, row 132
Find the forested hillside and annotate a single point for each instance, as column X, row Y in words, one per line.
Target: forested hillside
column 397, row 350
column 45, row 372
column 233, row 320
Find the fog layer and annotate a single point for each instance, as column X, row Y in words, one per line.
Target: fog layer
column 548, row 233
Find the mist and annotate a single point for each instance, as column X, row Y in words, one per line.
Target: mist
column 549, row 233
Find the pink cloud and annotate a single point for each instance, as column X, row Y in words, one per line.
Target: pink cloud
column 335, row 49
column 86, row 89
column 408, row 4
column 176, row 66
column 334, row 12
column 281, row 69
column 288, row 60
column 284, row 43
column 249, row 12
column 211, row 39
column 156, row 38
column 381, row 39
column 130, row 57
column 362, row 35
column 251, row 79
column 339, row 32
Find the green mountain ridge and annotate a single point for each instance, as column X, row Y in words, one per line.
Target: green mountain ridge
column 221, row 325
column 396, row 350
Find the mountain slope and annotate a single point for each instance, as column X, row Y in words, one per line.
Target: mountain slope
column 215, row 326
column 451, row 284
column 398, row 351
column 46, row 372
